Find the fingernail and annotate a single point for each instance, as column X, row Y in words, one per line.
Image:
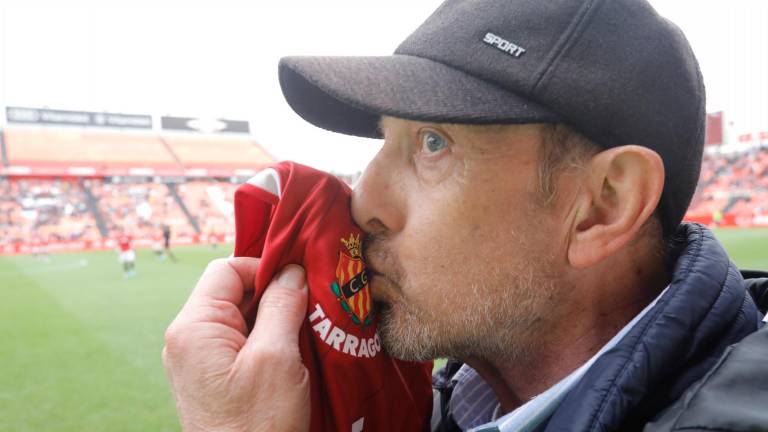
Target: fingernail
column 292, row 276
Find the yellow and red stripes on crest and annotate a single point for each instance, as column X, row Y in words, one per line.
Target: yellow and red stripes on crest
column 361, row 303
column 347, row 268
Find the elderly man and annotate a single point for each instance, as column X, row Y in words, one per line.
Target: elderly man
column 524, row 218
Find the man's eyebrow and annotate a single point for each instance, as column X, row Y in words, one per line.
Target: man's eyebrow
column 493, row 128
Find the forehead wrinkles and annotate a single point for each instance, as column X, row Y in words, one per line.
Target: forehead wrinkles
column 493, row 141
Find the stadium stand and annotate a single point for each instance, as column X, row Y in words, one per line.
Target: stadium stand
column 81, row 151
column 733, row 189
column 211, row 205
column 140, row 209
column 214, row 154
column 74, row 188
column 57, row 213
column 3, row 152
column 43, row 211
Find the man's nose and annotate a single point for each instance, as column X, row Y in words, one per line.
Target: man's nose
column 378, row 197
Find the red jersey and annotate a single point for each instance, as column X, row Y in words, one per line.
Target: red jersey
column 292, row 214
column 124, row 243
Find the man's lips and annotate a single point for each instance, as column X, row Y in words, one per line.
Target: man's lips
column 382, row 287
column 383, row 281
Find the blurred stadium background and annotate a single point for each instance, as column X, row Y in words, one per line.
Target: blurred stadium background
column 71, row 180
column 79, row 343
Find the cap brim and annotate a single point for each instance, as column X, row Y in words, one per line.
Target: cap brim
column 350, row 94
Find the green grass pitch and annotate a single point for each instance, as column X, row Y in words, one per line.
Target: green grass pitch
column 80, row 345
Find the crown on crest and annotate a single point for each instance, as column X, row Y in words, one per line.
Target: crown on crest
column 353, row 245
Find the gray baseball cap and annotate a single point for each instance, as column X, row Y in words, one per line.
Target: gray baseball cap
column 614, row 70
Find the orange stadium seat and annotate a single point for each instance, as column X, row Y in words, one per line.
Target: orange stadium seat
column 735, row 185
column 44, row 210
column 79, row 147
column 212, row 204
column 141, row 209
column 221, row 151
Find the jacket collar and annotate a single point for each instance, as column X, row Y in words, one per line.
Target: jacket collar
column 705, row 309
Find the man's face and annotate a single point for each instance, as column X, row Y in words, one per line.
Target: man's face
column 459, row 246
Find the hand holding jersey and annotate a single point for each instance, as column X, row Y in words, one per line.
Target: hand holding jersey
column 293, row 214
column 319, row 350
column 224, row 378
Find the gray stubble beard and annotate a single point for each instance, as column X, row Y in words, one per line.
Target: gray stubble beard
column 483, row 327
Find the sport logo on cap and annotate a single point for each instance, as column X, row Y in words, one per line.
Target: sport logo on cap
column 504, row 45
column 351, row 284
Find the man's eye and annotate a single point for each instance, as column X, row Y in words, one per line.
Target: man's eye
column 432, row 142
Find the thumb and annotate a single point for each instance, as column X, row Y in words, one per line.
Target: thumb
column 282, row 309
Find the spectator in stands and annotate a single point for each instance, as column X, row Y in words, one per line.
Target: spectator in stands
column 732, row 188
column 58, row 210
column 45, row 208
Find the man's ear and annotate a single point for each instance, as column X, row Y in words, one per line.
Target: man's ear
column 622, row 187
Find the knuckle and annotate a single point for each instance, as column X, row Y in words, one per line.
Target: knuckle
column 280, row 299
column 225, row 312
column 164, row 357
column 302, row 375
column 215, row 264
column 174, row 340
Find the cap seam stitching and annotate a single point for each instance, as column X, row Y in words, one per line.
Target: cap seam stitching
column 565, row 43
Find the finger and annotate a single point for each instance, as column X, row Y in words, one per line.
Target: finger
column 246, row 268
column 217, row 296
column 248, row 307
column 226, row 280
column 219, row 312
column 281, row 311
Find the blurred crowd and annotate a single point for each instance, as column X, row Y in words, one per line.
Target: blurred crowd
column 37, row 211
column 212, row 207
column 734, row 184
column 140, row 209
column 42, row 211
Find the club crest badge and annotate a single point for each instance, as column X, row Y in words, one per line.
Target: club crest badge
column 351, row 284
